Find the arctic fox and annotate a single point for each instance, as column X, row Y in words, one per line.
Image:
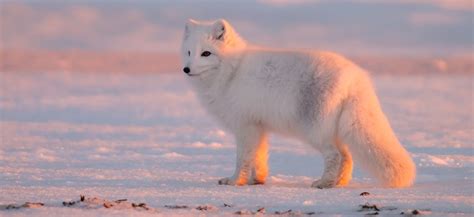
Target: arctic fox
column 320, row 98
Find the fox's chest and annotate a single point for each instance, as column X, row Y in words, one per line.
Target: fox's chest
column 254, row 104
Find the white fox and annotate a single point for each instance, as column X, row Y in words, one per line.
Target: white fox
column 320, row 98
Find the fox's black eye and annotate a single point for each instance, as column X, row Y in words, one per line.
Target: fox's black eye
column 189, row 53
column 205, row 54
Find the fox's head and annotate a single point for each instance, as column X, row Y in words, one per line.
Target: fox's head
column 205, row 44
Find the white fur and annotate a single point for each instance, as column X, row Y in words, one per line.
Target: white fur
column 320, row 98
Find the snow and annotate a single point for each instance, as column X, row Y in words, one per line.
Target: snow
column 145, row 138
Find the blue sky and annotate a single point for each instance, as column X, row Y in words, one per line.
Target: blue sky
column 435, row 27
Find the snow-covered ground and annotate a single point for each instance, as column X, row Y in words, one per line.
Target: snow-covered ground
column 145, row 138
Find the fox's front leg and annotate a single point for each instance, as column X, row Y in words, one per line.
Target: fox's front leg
column 249, row 140
column 260, row 170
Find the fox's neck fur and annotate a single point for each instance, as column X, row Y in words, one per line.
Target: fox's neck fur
column 215, row 83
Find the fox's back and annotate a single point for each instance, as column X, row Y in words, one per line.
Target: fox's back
column 281, row 88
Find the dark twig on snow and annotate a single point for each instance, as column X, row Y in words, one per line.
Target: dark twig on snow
column 414, row 212
column 205, row 208
column 140, row 205
column 176, row 206
column 108, row 205
column 368, row 207
column 25, row 205
column 120, row 200
column 243, row 212
column 283, row 212
column 69, row 203
column 261, row 210
column 72, row 203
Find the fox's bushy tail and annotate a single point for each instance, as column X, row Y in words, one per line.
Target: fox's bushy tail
column 365, row 129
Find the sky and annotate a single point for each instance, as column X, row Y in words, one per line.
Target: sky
column 408, row 27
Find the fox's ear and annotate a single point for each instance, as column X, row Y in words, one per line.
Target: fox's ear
column 220, row 28
column 191, row 23
column 187, row 28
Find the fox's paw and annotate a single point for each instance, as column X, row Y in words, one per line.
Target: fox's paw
column 231, row 181
column 256, row 182
column 321, row 184
column 226, row 181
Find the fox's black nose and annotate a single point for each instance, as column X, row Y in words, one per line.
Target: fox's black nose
column 186, row 70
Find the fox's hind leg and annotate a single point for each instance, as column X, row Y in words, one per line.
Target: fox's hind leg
column 345, row 168
column 337, row 166
column 251, row 154
column 332, row 163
